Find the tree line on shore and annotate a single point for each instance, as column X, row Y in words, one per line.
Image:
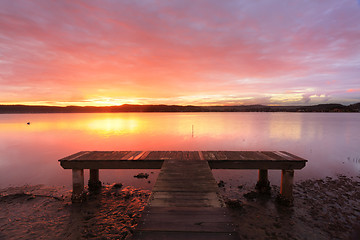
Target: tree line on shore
column 178, row 108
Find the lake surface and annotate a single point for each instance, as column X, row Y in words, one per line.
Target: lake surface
column 29, row 153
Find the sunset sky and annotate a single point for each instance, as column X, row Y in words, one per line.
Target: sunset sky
column 198, row 52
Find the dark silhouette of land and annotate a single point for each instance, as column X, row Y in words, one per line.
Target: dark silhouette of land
column 333, row 107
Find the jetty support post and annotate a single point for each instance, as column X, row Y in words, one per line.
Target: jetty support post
column 78, row 185
column 263, row 184
column 94, row 183
column 286, row 188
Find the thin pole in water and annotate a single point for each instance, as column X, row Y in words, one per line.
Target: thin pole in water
column 192, row 130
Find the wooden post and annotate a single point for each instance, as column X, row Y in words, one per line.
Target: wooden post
column 78, row 185
column 94, row 183
column 287, row 179
column 263, row 184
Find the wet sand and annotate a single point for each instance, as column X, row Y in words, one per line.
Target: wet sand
column 323, row 209
column 40, row 212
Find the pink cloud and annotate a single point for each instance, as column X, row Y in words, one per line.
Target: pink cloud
column 353, row 90
column 173, row 49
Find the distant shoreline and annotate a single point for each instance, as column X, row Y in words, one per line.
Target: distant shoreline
column 333, row 107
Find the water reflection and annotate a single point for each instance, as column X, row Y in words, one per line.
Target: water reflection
column 284, row 128
column 29, row 152
column 113, row 126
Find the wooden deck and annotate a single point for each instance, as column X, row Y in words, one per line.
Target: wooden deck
column 155, row 159
column 261, row 160
column 185, row 204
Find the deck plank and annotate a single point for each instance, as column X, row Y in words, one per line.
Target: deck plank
column 145, row 155
column 183, row 155
column 154, row 159
column 138, row 156
column 128, row 156
column 185, row 225
column 189, row 176
column 294, row 157
column 74, row 156
column 201, row 156
column 184, row 235
column 185, row 204
column 275, row 156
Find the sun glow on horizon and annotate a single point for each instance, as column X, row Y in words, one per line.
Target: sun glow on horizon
column 108, row 101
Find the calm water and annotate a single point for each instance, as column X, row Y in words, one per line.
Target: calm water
column 29, row 153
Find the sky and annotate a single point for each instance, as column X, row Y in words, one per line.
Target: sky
column 185, row 52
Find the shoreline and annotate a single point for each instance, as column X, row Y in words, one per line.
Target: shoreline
column 325, row 208
column 328, row 107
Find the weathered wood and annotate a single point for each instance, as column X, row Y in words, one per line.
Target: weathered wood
column 183, row 155
column 128, row 156
column 185, row 225
column 143, row 157
column 185, row 204
column 294, row 157
column 196, row 196
column 263, row 184
column 184, row 235
column 139, row 155
column 201, row 180
column 185, row 210
column 179, row 179
column 78, row 185
column 154, row 159
column 112, row 164
column 256, row 164
column 263, row 176
column 74, row 156
column 201, row 203
column 184, row 199
column 103, row 155
column 201, row 156
column 94, row 183
column 287, row 179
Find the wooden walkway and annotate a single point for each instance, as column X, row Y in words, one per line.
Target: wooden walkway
column 185, row 204
column 261, row 160
column 155, row 159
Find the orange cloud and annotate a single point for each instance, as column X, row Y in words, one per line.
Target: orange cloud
column 353, row 90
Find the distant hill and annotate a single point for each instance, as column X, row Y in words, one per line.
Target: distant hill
column 176, row 108
column 355, row 107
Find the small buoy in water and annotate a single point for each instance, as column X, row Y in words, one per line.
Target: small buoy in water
column 28, row 123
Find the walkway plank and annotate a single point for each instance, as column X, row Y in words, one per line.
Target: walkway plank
column 159, row 235
column 185, row 204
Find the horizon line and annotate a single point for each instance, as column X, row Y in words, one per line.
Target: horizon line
column 179, row 105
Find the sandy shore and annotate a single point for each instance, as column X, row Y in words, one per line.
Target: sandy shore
column 323, row 209
column 39, row 212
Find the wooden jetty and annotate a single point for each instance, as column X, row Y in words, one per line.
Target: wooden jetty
column 185, row 202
